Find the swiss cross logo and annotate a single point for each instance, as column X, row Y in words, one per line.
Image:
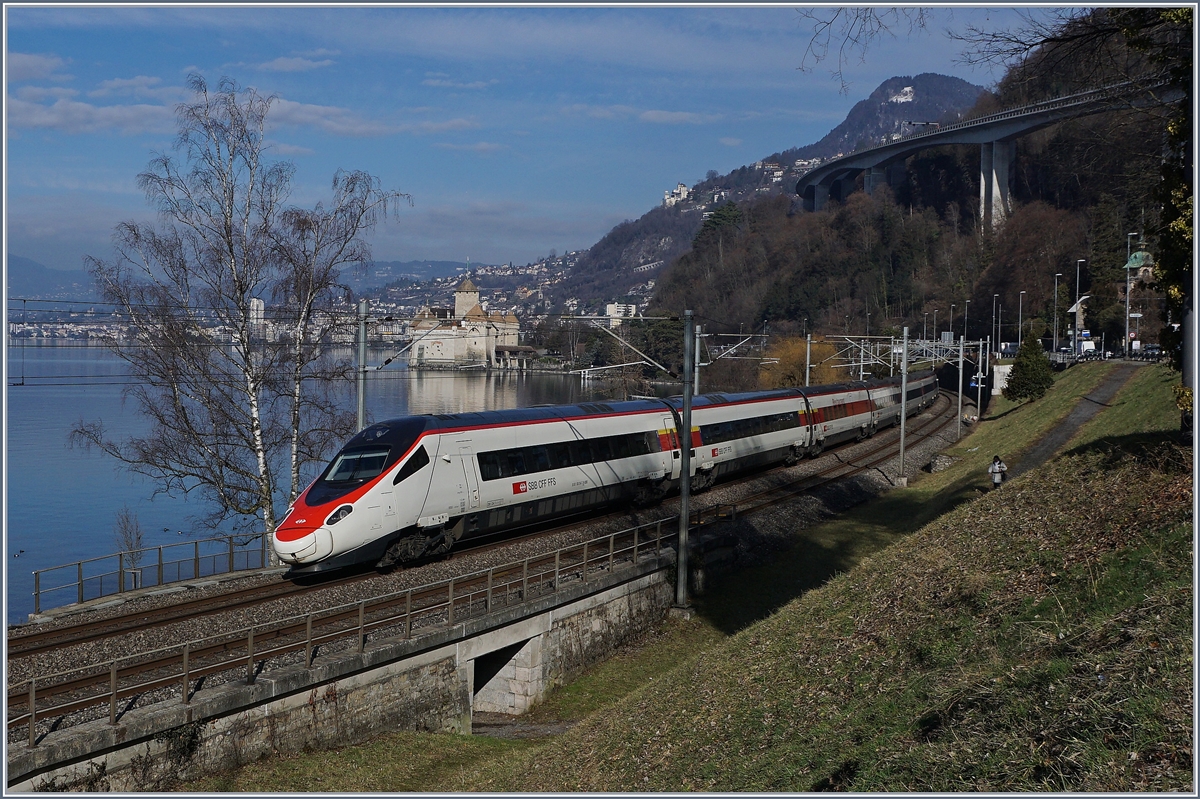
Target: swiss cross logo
column 521, row 487
column 714, row 452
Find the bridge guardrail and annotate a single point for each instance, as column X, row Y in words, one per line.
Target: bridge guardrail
column 437, row 606
column 95, row 578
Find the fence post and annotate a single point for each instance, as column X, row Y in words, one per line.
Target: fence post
column 196, row 561
column 112, row 697
column 160, row 566
column 187, row 681
column 636, row 535
column 362, row 632
column 491, row 572
column 120, row 572
column 450, row 603
column 250, row 657
column 231, row 554
column 408, row 614
column 658, row 539
column 37, row 592
column 612, row 544
column 557, row 555
column 585, row 560
column 80, row 564
column 525, row 580
column 32, row 713
column 308, row 641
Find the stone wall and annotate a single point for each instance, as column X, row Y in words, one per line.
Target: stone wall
column 402, row 685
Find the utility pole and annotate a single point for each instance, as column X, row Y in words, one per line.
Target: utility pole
column 903, row 396
column 362, row 364
column 1128, row 257
column 961, row 348
column 1057, row 275
column 979, row 383
column 685, row 464
column 807, row 357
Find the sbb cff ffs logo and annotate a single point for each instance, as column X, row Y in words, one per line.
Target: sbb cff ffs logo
column 521, row 487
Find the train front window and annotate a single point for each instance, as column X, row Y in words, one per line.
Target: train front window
column 362, row 464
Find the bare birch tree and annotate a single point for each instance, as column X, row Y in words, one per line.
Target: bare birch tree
column 229, row 405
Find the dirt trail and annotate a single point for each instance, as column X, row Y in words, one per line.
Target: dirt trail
column 1087, row 407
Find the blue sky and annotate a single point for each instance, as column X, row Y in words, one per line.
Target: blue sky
column 516, row 130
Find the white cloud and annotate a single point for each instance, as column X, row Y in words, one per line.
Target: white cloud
column 479, row 147
column 677, row 117
column 74, row 117
column 330, row 119
column 320, row 52
column 289, row 149
column 142, row 86
column 601, row 111
column 284, row 64
column 37, row 94
column 442, row 81
column 31, row 66
column 438, row 127
column 729, row 141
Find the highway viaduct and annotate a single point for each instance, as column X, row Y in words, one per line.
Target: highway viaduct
column 996, row 135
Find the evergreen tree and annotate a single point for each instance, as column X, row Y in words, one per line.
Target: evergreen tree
column 1030, row 376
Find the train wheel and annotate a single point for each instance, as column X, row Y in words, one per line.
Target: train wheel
column 791, row 457
column 702, row 481
column 815, row 449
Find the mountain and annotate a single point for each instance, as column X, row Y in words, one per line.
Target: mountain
column 635, row 251
column 381, row 273
column 890, row 109
column 28, row 279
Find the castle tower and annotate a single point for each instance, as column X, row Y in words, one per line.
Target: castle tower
column 466, row 297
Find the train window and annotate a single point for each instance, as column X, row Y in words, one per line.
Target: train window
column 362, row 464
column 489, row 465
column 418, row 461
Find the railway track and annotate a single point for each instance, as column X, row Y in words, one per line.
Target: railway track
column 393, row 614
column 87, row 631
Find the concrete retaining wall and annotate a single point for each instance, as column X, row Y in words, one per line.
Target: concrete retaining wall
column 428, row 684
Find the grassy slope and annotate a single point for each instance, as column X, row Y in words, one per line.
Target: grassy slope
column 1038, row 638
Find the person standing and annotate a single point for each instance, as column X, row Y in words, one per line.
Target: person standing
column 997, row 470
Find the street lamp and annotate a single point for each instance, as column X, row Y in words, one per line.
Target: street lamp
column 966, row 308
column 935, row 335
column 925, row 327
column 1128, row 256
column 951, row 320
column 1020, row 317
column 868, row 323
column 1057, row 275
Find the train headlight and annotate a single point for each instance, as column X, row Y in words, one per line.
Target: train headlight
column 339, row 514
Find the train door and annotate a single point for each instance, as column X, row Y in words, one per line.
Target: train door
column 671, row 443
column 471, row 479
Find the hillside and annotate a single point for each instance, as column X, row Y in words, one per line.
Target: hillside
column 28, row 279
column 1028, row 639
column 639, row 250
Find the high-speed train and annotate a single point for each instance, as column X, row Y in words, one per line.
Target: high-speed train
column 415, row 486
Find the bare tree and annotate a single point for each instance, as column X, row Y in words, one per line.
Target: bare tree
column 849, row 33
column 231, row 403
column 129, row 536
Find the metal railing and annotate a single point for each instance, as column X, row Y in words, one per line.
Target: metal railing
column 145, row 568
column 121, row 682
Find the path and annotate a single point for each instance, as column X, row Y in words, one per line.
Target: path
column 1087, row 407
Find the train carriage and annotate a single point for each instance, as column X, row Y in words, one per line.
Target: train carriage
column 415, row 486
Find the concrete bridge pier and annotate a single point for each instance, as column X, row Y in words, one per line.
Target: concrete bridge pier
column 995, row 162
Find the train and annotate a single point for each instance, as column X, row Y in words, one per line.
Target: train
column 416, row 486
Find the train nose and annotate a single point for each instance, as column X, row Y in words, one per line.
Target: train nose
column 296, row 547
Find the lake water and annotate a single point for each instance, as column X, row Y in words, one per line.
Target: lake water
column 62, row 502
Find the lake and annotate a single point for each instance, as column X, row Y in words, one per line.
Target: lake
column 62, row 502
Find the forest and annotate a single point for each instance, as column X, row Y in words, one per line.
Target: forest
column 1085, row 194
